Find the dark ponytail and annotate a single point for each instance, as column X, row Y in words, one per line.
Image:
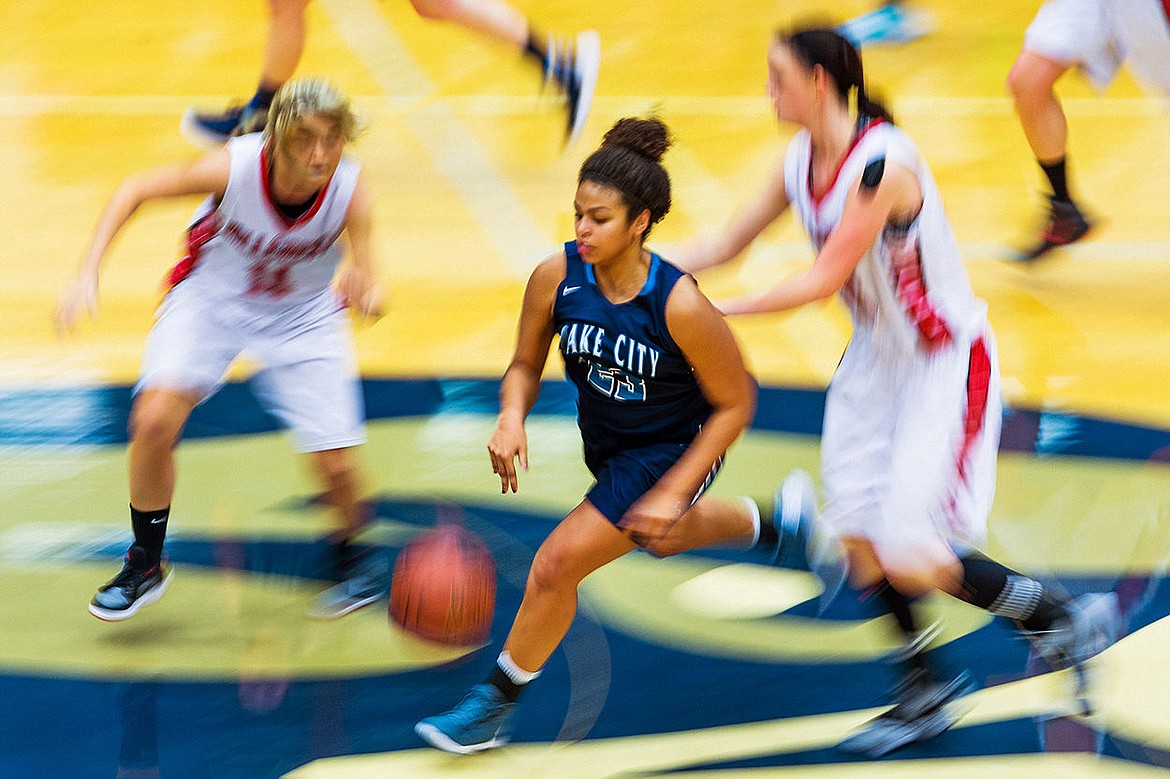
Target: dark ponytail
column 630, row 161
column 838, row 57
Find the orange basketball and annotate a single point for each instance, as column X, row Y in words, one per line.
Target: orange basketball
column 444, row 587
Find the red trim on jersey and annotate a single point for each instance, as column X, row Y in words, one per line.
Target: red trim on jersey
column 910, row 284
column 861, row 133
column 978, row 383
column 197, row 236
column 1166, row 9
column 265, row 187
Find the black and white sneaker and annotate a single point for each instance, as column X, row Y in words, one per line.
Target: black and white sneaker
column 925, row 709
column 137, row 585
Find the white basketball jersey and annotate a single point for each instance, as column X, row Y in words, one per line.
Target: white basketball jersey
column 1143, row 29
column 245, row 249
column 910, row 290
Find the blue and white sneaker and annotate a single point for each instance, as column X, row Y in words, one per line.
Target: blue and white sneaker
column 482, row 720
column 574, row 67
column 215, row 128
column 135, row 586
column 795, row 508
column 889, row 24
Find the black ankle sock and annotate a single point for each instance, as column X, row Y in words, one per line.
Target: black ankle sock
column 912, row 655
column 150, row 529
column 984, row 580
column 1006, row 593
column 900, row 606
column 1057, row 177
column 502, row 682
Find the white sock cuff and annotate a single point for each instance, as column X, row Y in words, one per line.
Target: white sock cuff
column 754, row 511
column 513, row 671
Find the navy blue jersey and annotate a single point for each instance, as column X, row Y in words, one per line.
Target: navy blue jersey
column 634, row 386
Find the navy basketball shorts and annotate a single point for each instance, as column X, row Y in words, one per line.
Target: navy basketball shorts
column 628, row 475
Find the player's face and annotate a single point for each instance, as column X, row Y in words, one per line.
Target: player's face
column 312, row 149
column 603, row 226
column 791, row 85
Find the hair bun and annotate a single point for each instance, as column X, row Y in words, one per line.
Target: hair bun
column 648, row 137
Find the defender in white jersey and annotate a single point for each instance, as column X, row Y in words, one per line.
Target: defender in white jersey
column 1096, row 37
column 263, row 275
column 912, row 416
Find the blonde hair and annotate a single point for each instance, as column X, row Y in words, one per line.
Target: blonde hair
column 309, row 95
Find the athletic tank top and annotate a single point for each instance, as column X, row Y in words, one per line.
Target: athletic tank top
column 634, row 386
column 910, row 291
column 245, row 248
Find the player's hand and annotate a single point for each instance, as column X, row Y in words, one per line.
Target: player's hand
column 80, row 296
column 652, row 517
column 361, row 292
column 508, row 445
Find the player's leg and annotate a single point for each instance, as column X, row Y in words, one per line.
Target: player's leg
column 310, row 383
column 186, row 353
column 899, row 552
column 571, row 65
column 156, row 423
column 284, row 44
column 1064, row 34
column 584, row 541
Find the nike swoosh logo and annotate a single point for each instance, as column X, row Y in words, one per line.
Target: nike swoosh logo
column 158, row 521
column 569, row 290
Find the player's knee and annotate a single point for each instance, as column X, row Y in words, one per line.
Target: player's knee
column 336, row 468
column 152, row 424
column 550, row 571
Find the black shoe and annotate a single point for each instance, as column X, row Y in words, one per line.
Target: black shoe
column 136, row 586
column 1066, row 224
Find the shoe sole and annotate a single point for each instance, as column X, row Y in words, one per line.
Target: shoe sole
column 440, row 740
column 587, row 63
column 151, row 596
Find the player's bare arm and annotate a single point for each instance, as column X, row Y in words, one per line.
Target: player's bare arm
column 743, row 228
column 358, row 278
column 868, row 209
column 521, row 383
column 207, row 174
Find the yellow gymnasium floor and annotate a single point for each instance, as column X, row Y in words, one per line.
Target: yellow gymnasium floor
column 707, row 665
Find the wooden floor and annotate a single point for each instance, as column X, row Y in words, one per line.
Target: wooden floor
column 472, row 189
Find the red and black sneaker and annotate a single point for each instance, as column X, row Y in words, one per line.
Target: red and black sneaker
column 1066, row 224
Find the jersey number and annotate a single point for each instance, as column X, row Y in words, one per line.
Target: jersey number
column 268, row 280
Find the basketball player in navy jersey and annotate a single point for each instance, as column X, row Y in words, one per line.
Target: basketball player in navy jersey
column 263, row 254
column 662, row 392
column 912, row 415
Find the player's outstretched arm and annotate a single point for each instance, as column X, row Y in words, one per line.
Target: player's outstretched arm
column 208, row 174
